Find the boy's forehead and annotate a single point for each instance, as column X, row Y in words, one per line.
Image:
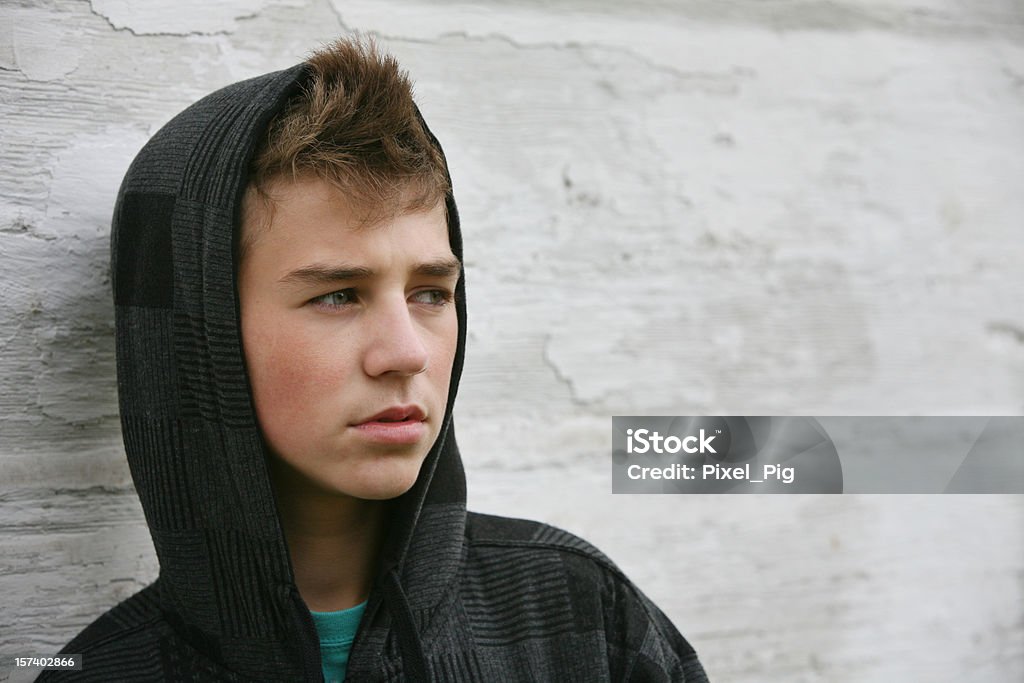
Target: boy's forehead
column 312, row 235
column 308, row 209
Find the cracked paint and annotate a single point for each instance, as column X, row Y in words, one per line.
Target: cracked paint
column 742, row 207
column 43, row 50
column 182, row 18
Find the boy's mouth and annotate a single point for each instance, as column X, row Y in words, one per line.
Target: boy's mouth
column 409, row 413
column 397, row 425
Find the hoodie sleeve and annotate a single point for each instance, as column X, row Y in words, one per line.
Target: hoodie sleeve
column 643, row 645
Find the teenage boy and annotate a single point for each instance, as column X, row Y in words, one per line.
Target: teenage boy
column 290, row 316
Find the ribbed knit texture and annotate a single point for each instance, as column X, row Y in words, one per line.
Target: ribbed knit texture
column 459, row 597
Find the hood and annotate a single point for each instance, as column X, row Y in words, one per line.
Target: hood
column 190, row 431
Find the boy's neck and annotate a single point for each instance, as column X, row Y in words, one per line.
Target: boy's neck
column 334, row 544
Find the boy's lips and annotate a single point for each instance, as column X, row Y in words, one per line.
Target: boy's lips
column 406, row 413
column 395, row 425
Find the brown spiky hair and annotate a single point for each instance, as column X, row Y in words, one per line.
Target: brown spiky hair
column 354, row 125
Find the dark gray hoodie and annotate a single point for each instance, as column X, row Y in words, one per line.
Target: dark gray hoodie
column 458, row 596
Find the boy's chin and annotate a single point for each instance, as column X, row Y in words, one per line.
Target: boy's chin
column 371, row 479
column 383, row 491
column 380, row 485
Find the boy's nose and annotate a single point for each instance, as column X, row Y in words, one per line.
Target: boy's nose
column 396, row 344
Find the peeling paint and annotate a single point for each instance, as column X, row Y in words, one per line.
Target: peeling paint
column 44, row 48
column 7, row 59
column 743, row 207
column 568, row 25
column 183, row 18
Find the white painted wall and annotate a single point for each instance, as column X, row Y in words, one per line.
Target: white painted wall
column 692, row 207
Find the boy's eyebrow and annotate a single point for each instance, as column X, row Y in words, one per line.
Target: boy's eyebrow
column 442, row 267
column 320, row 273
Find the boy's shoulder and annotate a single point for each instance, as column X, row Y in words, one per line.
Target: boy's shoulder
column 524, row 551
column 134, row 640
column 484, row 530
column 543, row 561
column 126, row 635
column 529, row 579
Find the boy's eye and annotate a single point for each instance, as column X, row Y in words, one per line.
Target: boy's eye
column 343, row 297
column 432, row 297
column 347, row 297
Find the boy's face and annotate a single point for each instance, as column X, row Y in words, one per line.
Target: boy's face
column 349, row 334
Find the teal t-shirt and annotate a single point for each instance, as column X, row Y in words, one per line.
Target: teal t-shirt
column 337, row 630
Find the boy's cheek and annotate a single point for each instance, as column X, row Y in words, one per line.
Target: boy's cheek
column 280, row 369
column 285, row 371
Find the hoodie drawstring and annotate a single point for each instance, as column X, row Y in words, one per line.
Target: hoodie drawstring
column 413, row 659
